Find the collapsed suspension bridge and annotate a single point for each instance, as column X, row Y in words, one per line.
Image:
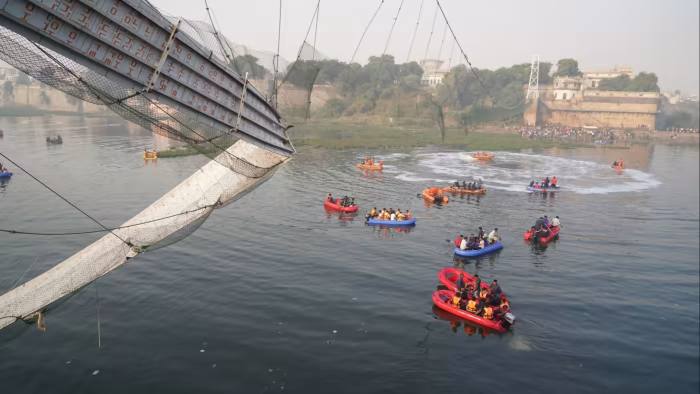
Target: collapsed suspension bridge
column 171, row 76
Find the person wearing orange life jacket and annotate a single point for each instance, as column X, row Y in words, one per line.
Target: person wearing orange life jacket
column 472, row 305
column 456, row 299
column 554, row 181
column 488, row 312
column 505, row 305
column 484, row 294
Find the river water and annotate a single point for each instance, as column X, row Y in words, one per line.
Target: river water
column 274, row 294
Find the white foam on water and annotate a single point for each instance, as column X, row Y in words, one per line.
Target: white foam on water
column 514, row 171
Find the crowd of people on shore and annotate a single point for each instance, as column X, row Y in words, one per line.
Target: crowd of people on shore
column 683, row 130
column 546, row 183
column 388, row 214
column 488, row 302
column 600, row 135
column 477, row 241
column 343, row 202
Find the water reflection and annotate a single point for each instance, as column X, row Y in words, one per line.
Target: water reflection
column 467, row 328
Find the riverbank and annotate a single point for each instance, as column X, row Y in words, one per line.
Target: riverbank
column 336, row 135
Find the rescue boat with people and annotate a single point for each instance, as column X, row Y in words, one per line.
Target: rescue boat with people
column 483, row 156
column 494, row 247
column 335, row 206
column 540, row 189
column 391, row 223
column 553, row 233
column 150, row 155
column 371, row 167
column 442, row 299
column 461, row 190
column 435, row 195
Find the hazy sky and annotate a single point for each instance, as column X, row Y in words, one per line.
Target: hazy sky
column 649, row 35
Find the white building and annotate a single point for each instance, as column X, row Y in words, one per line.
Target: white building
column 566, row 88
column 433, row 72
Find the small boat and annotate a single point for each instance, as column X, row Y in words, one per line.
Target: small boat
column 334, row 206
column 540, row 189
column 483, row 156
column 5, row 175
column 442, row 299
column 57, row 140
column 371, row 167
column 391, row 223
column 150, row 155
column 448, row 277
column 435, row 194
column 461, row 190
column 494, row 247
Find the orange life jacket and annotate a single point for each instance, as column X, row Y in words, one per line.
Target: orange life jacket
column 455, row 300
column 505, row 305
column 471, row 306
column 488, row 313
column 484, row 294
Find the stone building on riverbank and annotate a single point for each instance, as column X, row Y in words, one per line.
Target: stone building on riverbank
column 577, row 102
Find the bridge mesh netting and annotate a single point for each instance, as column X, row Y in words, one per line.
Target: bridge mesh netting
column 243, row 156
column 147, row 109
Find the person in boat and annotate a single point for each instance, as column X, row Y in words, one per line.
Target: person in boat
column 400, row 215
column 472, row 243
column 464, row 244
column 546, row 182
column 504, row 305
column 532, row 183
column 464, row 184
column 495, row 289
column 373, row 212
column 455, row 184
column 472, row 304
column 555, row 181
column 477, row 285
column 493, row 236
column 479, row 184
column 408, row 214
column 458, row 240
column 460, row 282
column 392, row 216
column 482, row 243
column 481, row 233
column 539, row 223
column 456, row 299
column 546, row 221
column 556, row 222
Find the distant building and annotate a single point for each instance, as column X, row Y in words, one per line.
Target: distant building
column 577, row 102
column 433, row 72
column 591, row 79
column 8, row 73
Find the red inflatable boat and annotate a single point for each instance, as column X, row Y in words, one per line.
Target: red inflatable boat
column 337, row 207
column 553, row 232
column 442, row 299
column 449, row 276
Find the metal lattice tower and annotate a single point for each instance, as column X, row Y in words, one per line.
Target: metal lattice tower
column 533, row 86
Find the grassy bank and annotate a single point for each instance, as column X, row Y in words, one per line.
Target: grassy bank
column 334, row 135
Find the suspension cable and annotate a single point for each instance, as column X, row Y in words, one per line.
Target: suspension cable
column 432, row 29
column 391, row 31
column 112, row 228
column 352, row 59
column 415, row 31
column 276, row 59
column 77, row 208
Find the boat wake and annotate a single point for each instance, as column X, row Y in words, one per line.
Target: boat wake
column 513, row 171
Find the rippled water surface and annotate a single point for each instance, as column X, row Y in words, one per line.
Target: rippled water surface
column 274, row 294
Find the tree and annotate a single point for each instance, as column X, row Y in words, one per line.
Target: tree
column 8, row 92
column 643, row 82
column 567, row 68
column 249, row 64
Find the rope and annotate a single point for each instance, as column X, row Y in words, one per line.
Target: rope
column 432, row 30
column 24, row 273
column 65, row 199
column 301, row 48
column 113, row 228
column 466, row 58
column 352, row 59
column 415, row 31
column 391, row 31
